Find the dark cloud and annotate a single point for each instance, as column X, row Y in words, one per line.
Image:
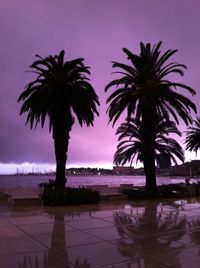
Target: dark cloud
column 95, row 30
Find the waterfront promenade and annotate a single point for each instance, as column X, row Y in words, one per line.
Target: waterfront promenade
column 138, row 234
column 113, row 234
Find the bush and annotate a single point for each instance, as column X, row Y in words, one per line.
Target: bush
column 140, row 194
column 81, row 196
column 172, row 190
column 164, row 191
column 71, row 196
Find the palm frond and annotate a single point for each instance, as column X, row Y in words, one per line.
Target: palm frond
column 59, row 88
column 130, row 137
column 193, row 136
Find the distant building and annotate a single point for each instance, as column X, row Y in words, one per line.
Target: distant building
column 88, row 171
column 120, row 170
column 191, row 169
column 163, row 161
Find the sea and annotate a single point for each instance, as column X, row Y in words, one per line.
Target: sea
column 10, row 181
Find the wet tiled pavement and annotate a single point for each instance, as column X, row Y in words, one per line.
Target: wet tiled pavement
column 132, row 234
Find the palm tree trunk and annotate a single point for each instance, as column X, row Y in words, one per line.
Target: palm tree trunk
column 60, row 145
column 61, row 141
column 148, row 133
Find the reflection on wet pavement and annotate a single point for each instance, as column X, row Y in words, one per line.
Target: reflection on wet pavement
column 137, row 234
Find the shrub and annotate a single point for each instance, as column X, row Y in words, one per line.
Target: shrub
column 140, row 194
column 81, row 196
column 72, row 196
column 164, row 191
column 172, row 190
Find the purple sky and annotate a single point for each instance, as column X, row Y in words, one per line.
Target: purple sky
column 95, row 30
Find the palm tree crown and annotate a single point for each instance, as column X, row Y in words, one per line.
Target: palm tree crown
column 143, row 83
column 130, row 139
column 60, row 90
column 193, row 137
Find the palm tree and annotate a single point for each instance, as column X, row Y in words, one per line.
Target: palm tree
column 130, row 139
column 60, row 92
column 144, row 92
column 193, row 137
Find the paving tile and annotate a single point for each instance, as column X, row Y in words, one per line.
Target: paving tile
column 184, row 258
column 188, row 237
column 68, row 218
column 70, row 238
column 106, row 233
column 76, row 214
column 194, row 212
column 4, row 222
column 139, row 263
column 96, row 255
column 141, row 249
column 103, row 214
column 109, row 219
column 193, row 204
column 188, row 213
column 6, row 248
column 43, row 228
column 11, row 231
column 88, row 223
column 39, row 259
column 19, row 245
column 20, row 220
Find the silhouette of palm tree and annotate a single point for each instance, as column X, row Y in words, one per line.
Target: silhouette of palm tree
column 144, row 92
column 193, row 137
column 60, row 92
column 130, row 139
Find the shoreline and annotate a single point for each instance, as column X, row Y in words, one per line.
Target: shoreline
column 10, row 181
column 99, row 175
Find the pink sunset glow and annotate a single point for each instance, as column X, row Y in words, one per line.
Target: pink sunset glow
column 97, row 31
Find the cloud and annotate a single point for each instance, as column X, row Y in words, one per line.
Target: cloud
column 97, row 31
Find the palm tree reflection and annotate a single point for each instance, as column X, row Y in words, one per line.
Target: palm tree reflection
column 57, row 255
column 194, row 231
column 150, row 230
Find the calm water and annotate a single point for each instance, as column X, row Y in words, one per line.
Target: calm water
column 33, row 180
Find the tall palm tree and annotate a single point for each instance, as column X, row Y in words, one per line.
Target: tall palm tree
column 143, row 91
column 130, row 139
column 193, row 137
column 61, row 91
